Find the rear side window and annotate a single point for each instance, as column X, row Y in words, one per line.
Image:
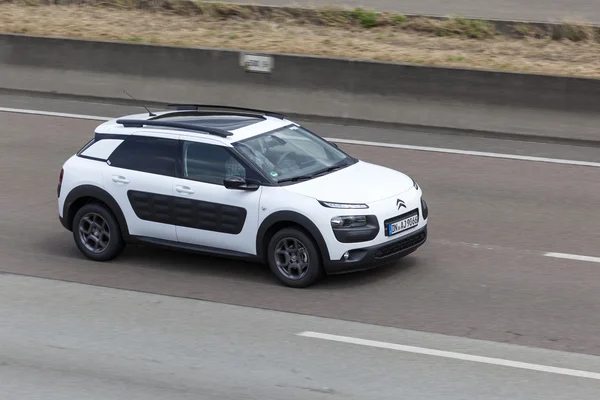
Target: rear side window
column 88, row 144
column 101, row 149
column 147, row 154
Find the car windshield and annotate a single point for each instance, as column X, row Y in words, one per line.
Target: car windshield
column 292, row 153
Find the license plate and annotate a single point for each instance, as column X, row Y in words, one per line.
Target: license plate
column 402, row 225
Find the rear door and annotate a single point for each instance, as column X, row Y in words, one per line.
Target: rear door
column 140, row 177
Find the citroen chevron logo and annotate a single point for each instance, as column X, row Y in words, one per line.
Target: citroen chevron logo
column 400, row 204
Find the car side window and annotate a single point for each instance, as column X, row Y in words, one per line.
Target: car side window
column 211, row 163
column 147, row 154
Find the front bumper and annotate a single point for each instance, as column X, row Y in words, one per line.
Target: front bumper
column 381, row 254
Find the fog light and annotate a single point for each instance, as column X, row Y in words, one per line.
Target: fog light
column 346, row 255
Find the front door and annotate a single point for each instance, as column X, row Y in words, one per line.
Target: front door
column 207, row 213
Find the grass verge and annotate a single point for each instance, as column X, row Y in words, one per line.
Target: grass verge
column 570, row 48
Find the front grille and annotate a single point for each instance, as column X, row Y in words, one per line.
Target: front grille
column 401, row 245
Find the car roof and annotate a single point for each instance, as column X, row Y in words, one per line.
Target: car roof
column 236, row 125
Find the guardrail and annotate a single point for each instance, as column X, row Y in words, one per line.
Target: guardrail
column 300, row 85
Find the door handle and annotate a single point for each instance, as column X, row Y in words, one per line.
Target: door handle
column 184, row 189
column 119, row 179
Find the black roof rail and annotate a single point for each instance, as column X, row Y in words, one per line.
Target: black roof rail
column 185, row 113
column 197, row 107
column 139, row 123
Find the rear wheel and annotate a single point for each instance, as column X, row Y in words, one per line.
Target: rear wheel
column 96, row 232
column 294, row 258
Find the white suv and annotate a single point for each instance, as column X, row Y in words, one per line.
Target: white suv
column 239, row 183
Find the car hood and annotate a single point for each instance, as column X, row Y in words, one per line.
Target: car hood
column 362, row 182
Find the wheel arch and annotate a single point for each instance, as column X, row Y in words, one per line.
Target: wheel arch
column 283, row 219
column 86, row 194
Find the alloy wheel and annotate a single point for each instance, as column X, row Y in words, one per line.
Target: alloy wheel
column 94, row 232
column 291, row 257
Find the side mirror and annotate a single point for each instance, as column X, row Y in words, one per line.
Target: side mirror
column 239, row 183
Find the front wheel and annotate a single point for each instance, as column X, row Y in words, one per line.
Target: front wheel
column 294, row 258
column 96, row 232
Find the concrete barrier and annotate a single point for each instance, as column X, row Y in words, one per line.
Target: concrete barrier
column 315, row 86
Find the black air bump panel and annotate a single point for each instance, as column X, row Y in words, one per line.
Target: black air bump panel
column 209, row 216
column 151, row 206
column 188, row 213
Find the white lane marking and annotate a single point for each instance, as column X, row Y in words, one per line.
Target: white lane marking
column 446, row 242
column 566, row 256
column 467, row 152
column 575, row 257
column 452, row 355
column 356, row 142
column 53, row 114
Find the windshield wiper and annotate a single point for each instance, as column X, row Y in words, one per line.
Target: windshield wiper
column 314, row 174
column 329, row 169
column 296, row 178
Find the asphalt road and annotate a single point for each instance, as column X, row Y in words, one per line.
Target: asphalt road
column 483, row 274
column 533, row 10
column 70, row 341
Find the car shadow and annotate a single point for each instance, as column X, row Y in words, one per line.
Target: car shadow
column 186, row 261
column 369, row 277
column 199, row 265
column 176, row 260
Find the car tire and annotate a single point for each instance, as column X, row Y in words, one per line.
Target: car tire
column 301, row 265
column 95, row 225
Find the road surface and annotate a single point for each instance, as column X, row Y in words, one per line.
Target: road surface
column 533, row 10
column 489, row 272
column 105, row 344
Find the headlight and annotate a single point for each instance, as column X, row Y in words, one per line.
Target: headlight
column 342, row 205
column 349, row 221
